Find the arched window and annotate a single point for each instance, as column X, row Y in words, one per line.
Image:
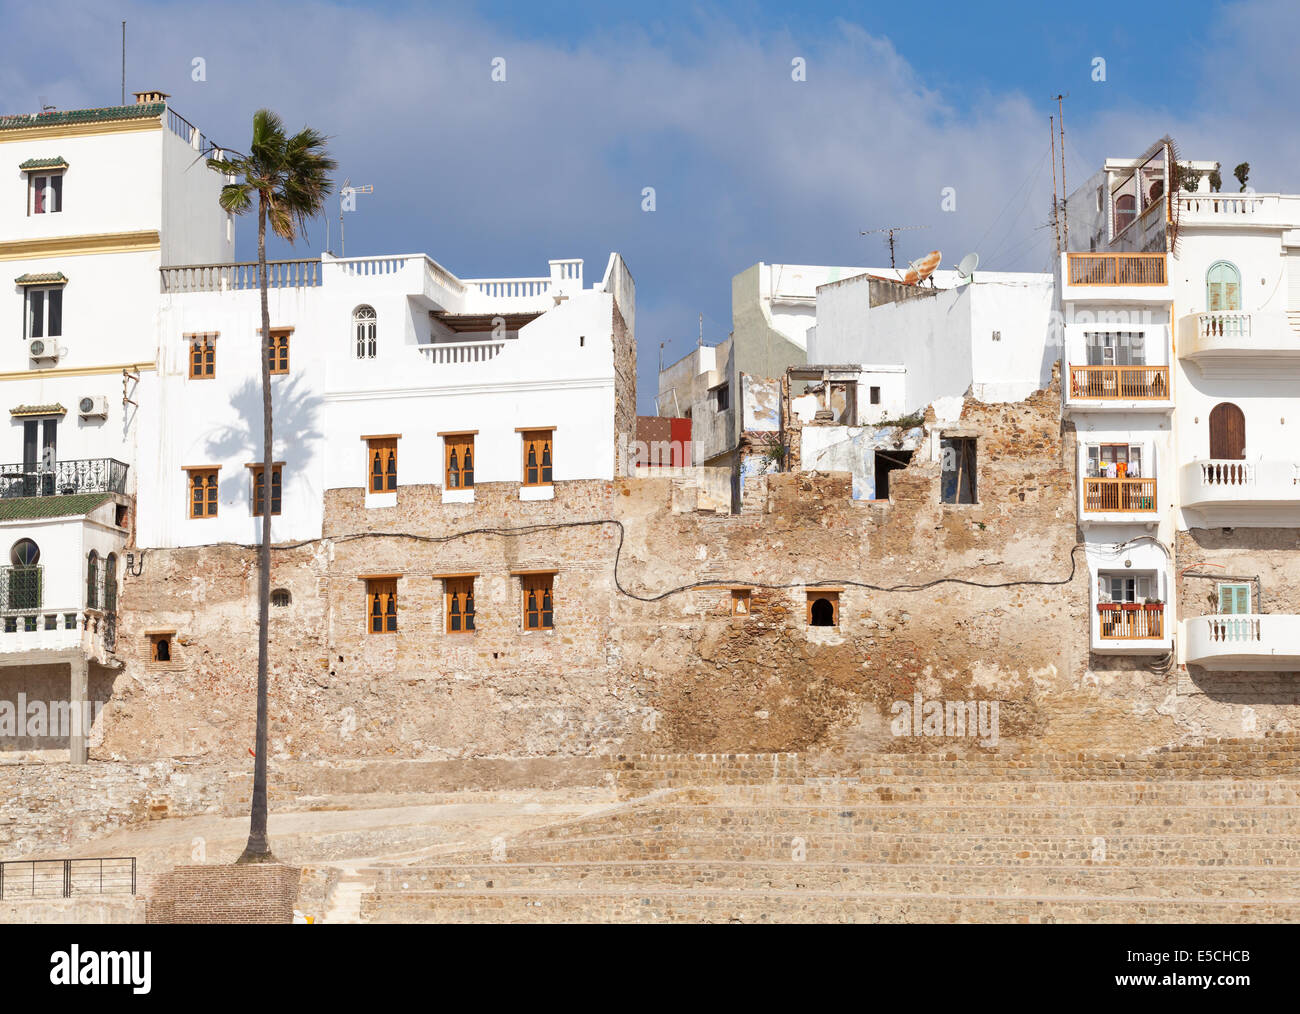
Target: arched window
column 110, row 583
column 24, row 591
column 92, row 580
column 25, row 553
column 364, row 323
column 1222, row 287
column 1227, row 432
column 821, row 613
column 280, row 598
column 1125, row 212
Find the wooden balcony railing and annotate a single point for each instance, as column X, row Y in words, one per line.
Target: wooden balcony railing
column 1149, row 383
column 1137, row 496
column 1116, row 269
column 1128, row 621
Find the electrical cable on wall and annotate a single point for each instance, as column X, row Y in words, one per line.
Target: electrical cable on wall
column 618, row 552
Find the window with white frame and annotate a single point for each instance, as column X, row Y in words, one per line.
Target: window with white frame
column 43, row 312
column 1115, row 461
column 1234, row 599
column 1115, row 348
column 1126, row 587
column 364, row 327
column 44, row 193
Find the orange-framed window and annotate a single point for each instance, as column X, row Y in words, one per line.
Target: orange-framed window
column 277, row 350
column 259, row 488
column 458, row 453
column 203, row 492
column 823, row 608
column 539, row 601
column 203, row 356
column 382, row 455
column 381, row 605
column 460, row 605
column 538, row 451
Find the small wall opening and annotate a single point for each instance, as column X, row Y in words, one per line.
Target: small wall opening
column 160, row 647
column 280, row 598
column 823, row 609
column 886, row 462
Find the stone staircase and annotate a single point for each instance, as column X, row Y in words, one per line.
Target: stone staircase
column 1198, row 834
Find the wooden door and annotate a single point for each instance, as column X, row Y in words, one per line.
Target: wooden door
column 1227, row 432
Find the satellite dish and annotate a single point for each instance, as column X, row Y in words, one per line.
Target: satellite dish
column 920, row 270
column 966, row 269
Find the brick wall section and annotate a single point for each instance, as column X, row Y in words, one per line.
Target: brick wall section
column 255, row 893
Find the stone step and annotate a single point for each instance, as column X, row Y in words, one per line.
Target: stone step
column 910, row 847
column 1202, row 792
column 1020, row 819
column 695, row 906
column 1250, row 882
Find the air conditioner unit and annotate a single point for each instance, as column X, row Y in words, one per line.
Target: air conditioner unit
column 94, row 407
column 43, row 348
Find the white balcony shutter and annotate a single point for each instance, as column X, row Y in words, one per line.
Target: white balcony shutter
column 1293, row 279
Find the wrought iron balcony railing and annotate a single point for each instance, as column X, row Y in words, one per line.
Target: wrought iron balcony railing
column 87, row 475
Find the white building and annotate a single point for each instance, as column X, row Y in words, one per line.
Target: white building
column 95, row 202
column 1183, row 360
column 135, row 391
column 392, row 358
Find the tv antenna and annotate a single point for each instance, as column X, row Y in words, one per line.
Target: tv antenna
column 891, row 229
column 1065, row 208
column 347, row 202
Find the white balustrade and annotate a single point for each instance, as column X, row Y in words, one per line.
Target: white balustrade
column 447, row 353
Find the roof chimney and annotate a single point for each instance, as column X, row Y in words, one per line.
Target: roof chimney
column 147, row 98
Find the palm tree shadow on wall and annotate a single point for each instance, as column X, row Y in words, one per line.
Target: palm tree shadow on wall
column 296, row 415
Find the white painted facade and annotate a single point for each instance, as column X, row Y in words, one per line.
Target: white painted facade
column 555, row 371
column 1207, row 326
column 988, row 337
column 92, row 202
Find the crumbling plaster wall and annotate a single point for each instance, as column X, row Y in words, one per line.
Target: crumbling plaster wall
column 652, row 666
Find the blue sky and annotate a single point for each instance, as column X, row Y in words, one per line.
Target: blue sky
column 697, row 101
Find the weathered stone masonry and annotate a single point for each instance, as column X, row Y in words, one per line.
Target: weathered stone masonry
column 637, row 670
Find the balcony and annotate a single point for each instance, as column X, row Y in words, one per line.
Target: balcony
column 1256, row 642
column 1116, row 269
column 63, row 478
column 1246, row 483
column 1129, row 628
column 1126, row 388
column 1123, row 501
column 1217, row 340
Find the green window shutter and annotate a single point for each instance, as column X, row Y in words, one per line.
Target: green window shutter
column 1234, row 599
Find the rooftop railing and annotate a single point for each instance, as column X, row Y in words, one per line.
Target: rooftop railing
column 238, row 277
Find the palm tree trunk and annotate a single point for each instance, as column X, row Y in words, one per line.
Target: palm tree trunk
column 258, row 849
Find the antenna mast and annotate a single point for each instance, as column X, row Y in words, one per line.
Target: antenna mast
column 1056, row 209
column 891, row 229
column 1065, row 218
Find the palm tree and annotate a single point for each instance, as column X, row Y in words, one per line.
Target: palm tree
column 289, row 177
